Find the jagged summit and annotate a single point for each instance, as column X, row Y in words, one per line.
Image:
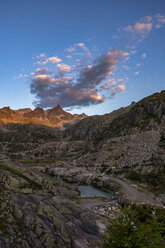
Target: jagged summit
column 56, row 110
column 55, row 117
column 58, row 107
column 6, row 108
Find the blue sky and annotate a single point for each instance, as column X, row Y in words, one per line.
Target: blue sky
column 89, row 56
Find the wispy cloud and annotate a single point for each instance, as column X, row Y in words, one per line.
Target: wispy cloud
column 42, row 55
column 144, row 55
column 69, row 56
column 136, row 73
column 141, row 28
column 45, row 61
column 76, row 48
column 160, row 20
column 126, row 67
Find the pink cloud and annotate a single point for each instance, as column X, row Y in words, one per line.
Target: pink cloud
column 42, row 77
column 121, row 88
column 121, row 80
column 143, row 27
column 44, row 70
column 42, row 55
column 109, row 84
column 53, row 60
column 139, row 28
column 126, row 67
column 81, row 45
column 64, row 68
column 69, row 56
column 71, row 49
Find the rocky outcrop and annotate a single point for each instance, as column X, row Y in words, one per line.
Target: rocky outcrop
column 38, row 211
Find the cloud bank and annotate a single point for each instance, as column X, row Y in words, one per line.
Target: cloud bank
column 84, row 90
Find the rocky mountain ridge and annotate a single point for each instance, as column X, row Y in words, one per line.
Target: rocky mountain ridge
column 55, row 117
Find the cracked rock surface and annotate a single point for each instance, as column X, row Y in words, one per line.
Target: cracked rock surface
column 33, row 214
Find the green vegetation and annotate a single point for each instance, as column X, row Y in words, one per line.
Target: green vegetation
column 137, row 227
column 154, row 179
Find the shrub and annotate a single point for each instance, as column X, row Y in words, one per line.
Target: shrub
column 131, row 231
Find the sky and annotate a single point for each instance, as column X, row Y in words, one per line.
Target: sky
column 91, row 56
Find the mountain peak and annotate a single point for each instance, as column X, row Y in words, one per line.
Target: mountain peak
column 38, row 109
column 6, row 108
column 56, row 110
column 58, row 106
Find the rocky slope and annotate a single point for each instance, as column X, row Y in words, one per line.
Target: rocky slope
column 38, row 211
column 55, row 117
column 130, row 138
column 123, row 149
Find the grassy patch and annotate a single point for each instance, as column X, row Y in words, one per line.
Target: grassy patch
column 154, row 179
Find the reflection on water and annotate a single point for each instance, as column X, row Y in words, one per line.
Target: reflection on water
column 90, row 191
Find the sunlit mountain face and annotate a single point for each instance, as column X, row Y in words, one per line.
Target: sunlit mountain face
column 55, row 117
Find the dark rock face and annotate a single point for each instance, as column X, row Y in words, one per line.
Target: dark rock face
column 144, row 115
column 54, row 222
column 38, row 211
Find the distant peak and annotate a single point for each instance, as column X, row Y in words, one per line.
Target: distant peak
column 26, row 109
column 6, row 108
column 58, row 106
column 38, row 109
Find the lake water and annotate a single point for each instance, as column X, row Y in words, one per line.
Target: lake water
column 90, row 191
column 85, row 190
